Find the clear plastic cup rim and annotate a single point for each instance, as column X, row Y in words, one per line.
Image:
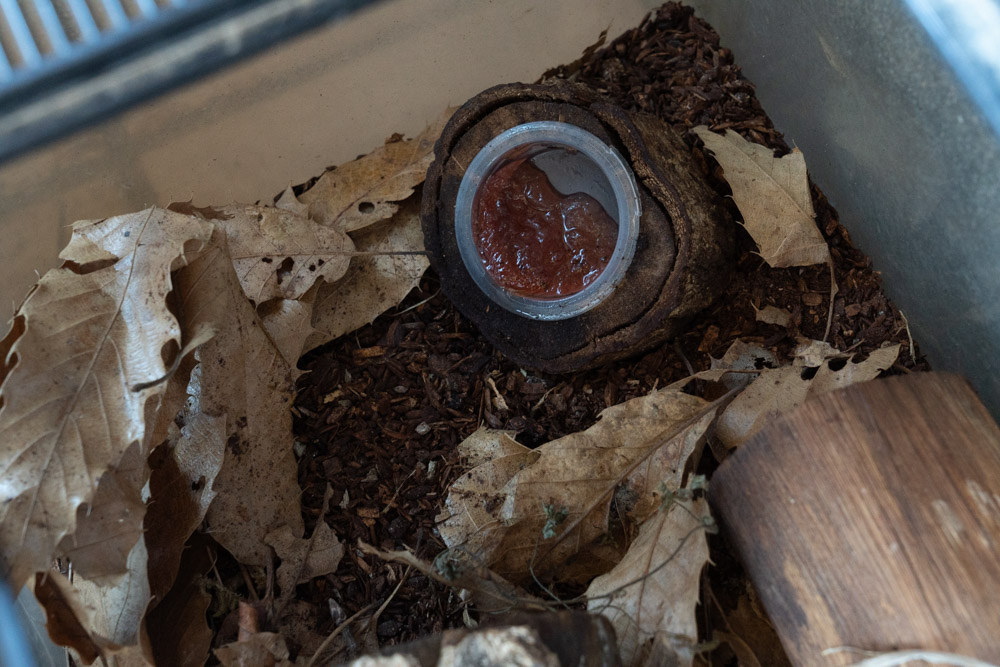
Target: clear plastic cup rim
column 548, row 135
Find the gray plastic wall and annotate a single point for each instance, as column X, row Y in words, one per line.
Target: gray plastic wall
column 902, row 150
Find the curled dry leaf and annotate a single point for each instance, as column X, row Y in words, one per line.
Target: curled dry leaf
column 84, row 359
column 365, row 191
column 773, row 195
column 499, row 509
column 390, row 264
column 651, row 595
column 779, row 390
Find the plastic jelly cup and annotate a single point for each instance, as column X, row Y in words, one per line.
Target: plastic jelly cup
column 574, row 160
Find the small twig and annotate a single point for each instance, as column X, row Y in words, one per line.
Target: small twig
column 680, row 352
column 499, row 402
column 215, row 570
column 373, row 619
column 287, row 596
column 531, row 570
column 336, row 631
column 541, row 401
column 399, row 488
column 249, row 583
column 833, row 292
column 909, row 335
column 417, row 305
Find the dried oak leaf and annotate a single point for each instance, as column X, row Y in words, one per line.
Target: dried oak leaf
column 390, row 262
column 778, row 390
column 87, row 353
column 773, row 196
column 651, row 595
column 243, row 379
column 500, row 509
column 365, row 191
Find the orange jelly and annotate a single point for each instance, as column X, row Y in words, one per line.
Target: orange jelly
column 534, row 240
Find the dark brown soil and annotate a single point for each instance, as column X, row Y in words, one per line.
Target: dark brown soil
column 382, row 409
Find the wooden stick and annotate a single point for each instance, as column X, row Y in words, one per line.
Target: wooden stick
column 870, row 518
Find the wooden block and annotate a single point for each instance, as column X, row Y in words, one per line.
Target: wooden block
column 870, row 518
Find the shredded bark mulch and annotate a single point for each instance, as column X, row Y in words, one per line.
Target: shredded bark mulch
column 381, row 410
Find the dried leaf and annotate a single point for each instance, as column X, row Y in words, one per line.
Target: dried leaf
column 116, row 610
column 297, row 623
column 288, row 323
column 177, row 627
column 181, row 489
column 108, row 527
column 264, row 649
column 485, row 445
column 773, row 196
column 304, row 559
column 85, row 356
column 740, row 356
column 812, row 353
column 651, row 595
column 66, row 617
column 752, row 637
column 241, row 376
column 391, row 264
column 365, row 191
column 779, row 390
column 775, row 315
column 278, row 254
column 498, row 510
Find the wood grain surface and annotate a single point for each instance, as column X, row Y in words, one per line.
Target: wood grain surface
column 870, row 518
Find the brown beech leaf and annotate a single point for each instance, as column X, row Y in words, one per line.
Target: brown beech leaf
column 365, row 191
column 508, row 510
column 773, row 196
column 85, row 358
column 779, row 390
column 390, row 263
column 241, row 377
column 651, row 595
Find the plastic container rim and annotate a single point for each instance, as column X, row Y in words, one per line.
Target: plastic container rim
column 548, row 135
